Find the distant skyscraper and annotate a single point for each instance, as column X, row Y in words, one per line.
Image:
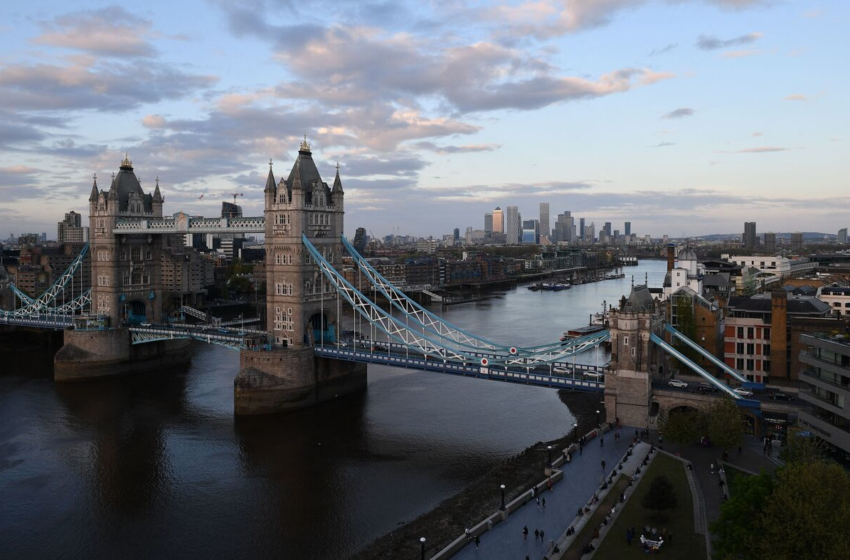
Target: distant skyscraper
column 488, row 222
column 607, row 229
column 70, row 230
column 628, row 228
column 842, row 236
column 498, row 221
column 544, row 220
column 513, row 228
column 457, row 235
column 530, row 232
column 797, row 241
column 360, row 239
column 590, row 233
column 770, row 243
column 564, row 227
column 750, row 239
column 581, row 228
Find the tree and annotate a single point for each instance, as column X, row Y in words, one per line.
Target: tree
column 725, row 423
column 681, row 426
column 802, row 447
column 660, row 496
column 737, row 527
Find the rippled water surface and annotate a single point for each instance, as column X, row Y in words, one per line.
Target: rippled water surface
column 156, row 465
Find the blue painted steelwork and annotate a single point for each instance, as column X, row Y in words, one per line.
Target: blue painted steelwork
column 712, row 358
column 510, row 375
column 661, row 343
column 229, row 338
column 44, row 321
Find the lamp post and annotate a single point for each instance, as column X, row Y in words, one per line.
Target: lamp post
column 597, row 418
column 422, row 547
column 502, row 507
column 549, row 449
column 575, row 431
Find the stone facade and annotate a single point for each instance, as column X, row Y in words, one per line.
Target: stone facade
column 628, row 379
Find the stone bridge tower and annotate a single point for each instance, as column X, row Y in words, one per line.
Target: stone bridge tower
column 628, row 386
column 301, row 305
column 126, row 274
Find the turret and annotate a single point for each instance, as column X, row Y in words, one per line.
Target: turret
column 157, row 200
column 94, row 192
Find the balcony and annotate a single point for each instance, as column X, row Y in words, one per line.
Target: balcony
column 823, row 427
column 811, row 376
column 822, row 403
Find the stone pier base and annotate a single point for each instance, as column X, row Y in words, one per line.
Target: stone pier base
column 286, row 379
column 95, row 354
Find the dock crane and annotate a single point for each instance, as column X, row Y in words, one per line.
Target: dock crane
column 235, row 195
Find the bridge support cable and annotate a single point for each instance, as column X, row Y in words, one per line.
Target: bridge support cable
column 562, row 352
column 41, row 304
column 430, row 321
column 712, row 358
column 379, row 319
column 661, row 343
column 196, row 313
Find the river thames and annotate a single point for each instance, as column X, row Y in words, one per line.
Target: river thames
column 157, row 465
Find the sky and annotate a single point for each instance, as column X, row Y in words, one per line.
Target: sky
column 685, row 117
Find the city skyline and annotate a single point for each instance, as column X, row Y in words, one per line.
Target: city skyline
column 427, row 115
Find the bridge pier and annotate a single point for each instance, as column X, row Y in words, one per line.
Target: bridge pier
column 93, row 354
column 285, row 379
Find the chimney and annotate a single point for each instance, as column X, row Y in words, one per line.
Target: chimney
column 778, row 334
column 671, row 256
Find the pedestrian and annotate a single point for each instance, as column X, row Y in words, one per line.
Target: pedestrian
column 603, row 465
column 712, row 467
column 543, row 502
column 538, row 502
column 629, row 537
column 533, row 491
column 601, row 441
column 549, row 484
column 541, row 535
column 468, row 534
column 636, row 434
column 477, row 542
column 536, row 535
column 525, row 532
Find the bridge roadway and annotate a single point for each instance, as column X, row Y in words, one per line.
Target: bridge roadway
column 661, row 389
column 57, row 322
column 397, row 355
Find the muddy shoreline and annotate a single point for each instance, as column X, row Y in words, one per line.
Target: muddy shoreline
column 447, row 521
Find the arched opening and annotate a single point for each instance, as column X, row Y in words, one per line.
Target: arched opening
column 323, row 330
column 134, row 312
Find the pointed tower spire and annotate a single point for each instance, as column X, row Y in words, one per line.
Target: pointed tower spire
column 94, row 192
column 337, row 188
column 157, row 196
column 296, row 176
column 270, row 183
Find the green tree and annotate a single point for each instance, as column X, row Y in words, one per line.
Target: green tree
column 682, row 426
column 724, row 423
column 737, row 527
column 660, row 497
column 802, row 447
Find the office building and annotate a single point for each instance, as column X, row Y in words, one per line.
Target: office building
column 842, row 236
column 628, row 229
column 797, row 241
column 581, row 228
column 749, row 238
column 607, row 229
column 498, row 221
column 770, row 243
column 70, row 229
column 457, row 236
column 488, row 222
column 590, row 233
column 230, row 210
column 827, row 379
column 513, row 227
column 544, row 220
column 564, row 227
column 530, row 232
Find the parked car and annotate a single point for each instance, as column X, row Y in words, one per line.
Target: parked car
column 780, row 396
column 679, row 384
column 707, row 388
column 744, row 392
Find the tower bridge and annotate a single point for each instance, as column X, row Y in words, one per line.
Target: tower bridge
column 301, row 356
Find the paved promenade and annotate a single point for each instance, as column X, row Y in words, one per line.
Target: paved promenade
column 582, row 477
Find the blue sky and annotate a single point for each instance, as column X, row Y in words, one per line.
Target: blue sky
column 685, row 117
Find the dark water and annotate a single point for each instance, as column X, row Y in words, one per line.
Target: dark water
column 157, row 466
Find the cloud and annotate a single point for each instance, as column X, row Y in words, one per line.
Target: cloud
column 153, row 121
column 797, row 97
column 680, row 113
column 741, row 54
column 663, row 50
column 759, row 150
column 663, row 145
column 110, row 31
column 708, row 42
column 447, row 150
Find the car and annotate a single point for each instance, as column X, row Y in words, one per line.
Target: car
column 145, row 324
column 677, row 383
column 780, row 396
column 706, row 388
column 561, row 370
column 379, row 348
column 594, row 376
column 744, row 392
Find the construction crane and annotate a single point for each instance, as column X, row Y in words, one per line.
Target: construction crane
column 235, row 195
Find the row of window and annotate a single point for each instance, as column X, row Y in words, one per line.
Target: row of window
column 103, row 304
column 282, row 289
column 283, row 320
column 282, row 259
column 750, row 332
column 319, row 219
column 752, row 365
column 750, row 349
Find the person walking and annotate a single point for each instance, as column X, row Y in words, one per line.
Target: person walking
column 536, row 535
column 601, row 441
column 542, row 535
column 712, row 467
column 603, row 465
column 538, row 502
column 525, row 533
column 543, row 501
column 477, row 542
column 629, row 536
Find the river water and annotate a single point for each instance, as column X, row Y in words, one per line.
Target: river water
column 157, row 465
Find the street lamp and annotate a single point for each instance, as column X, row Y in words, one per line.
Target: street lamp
column 597, row 418
column 422, row 547
column 575, row 431
column 502, row 508
column 549, row 449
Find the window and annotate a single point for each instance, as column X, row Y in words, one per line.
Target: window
column 766, row 350
column 102, row 256
column 123, row 255
column 625, row 341
column 739, row 348
column 739, row 363
column 751, row 349
column 740, row 332
column 767, row 334
column 751, row 332
column 751, row 365
column 103, row 280
column 136, row 254
column 278, row 258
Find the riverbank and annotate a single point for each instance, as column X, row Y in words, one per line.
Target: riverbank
column 444, row 523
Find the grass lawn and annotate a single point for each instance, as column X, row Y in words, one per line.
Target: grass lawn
column 687, row 545
column 731, row 474
column 596, row 518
